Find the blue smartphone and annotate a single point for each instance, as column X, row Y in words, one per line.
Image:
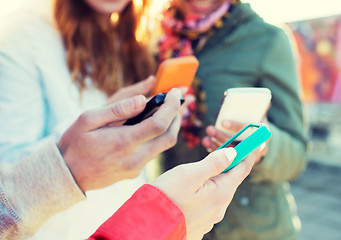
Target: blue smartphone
column 249, row 144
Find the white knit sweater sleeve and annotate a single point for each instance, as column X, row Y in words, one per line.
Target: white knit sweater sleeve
column 34, row 189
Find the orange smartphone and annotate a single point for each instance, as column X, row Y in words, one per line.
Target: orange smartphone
column 175, row 72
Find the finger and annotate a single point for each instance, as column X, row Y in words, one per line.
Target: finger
column 212, row 165
column 211, row 131
column 234, row 126
column 168, row 139
column 262, row 147
column 189, row 99
column 209, row 144
column 234, row 177
column 149, row 150
column 160, row 121
column 119, row 111
column 257, row 154
column 143, row 87
column 183, row 90
column 218, row 136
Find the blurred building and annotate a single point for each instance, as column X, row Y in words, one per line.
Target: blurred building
column 319, row 46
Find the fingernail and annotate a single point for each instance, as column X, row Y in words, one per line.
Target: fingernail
column 183, row 90
column 230, row 153
column 190, row 98
column 261, row 148
column 211, row 130
column 151, row 78
column 177, row 92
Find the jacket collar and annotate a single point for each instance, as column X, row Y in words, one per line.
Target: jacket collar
column 240, row 14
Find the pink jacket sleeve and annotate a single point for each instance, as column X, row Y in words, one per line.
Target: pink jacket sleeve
column 148, row 214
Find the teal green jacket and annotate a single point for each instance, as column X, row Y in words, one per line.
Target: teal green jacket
column 247, row 52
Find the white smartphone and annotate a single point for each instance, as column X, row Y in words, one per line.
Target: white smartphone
column 247, row 105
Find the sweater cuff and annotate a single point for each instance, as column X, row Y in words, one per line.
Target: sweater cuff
column 39, row 186
column 148, row 214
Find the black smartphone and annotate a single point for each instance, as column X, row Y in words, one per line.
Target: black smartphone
column 151, row 107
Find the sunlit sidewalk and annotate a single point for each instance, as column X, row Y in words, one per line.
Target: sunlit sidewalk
column 318, row 196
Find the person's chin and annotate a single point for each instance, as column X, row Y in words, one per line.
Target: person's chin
column 201, row 9
column 109, row 8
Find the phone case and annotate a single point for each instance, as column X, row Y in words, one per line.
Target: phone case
column 175, row 72
column 249, row 144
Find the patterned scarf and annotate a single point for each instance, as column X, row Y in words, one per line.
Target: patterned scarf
column 183, row 36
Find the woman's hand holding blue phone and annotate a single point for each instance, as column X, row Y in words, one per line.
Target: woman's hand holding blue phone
column 259, row 136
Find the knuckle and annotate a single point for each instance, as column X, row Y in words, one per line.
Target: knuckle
column 116, row 110
column 158, row 126
column 122, row 144
column 171, row 140
column 84, row 119
column 220, row 216
column 218, row 162
column 208, row 228
column 217, row 214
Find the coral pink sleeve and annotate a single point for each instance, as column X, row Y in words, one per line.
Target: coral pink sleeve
column 148, row 214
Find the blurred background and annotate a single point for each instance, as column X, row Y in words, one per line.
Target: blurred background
column 315, row 29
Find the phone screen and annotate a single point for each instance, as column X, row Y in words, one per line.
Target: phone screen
column 246, row 105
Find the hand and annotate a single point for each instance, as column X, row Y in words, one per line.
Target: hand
column 141, row 88
column 99, row 151
column 201, row 191
column 216, row 138
column 185, row 108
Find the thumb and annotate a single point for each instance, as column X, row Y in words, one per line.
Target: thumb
column 116, row 112
column 214, row 164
